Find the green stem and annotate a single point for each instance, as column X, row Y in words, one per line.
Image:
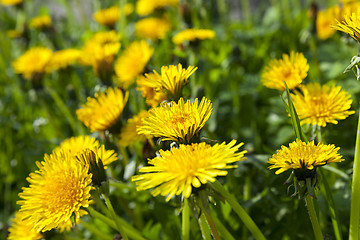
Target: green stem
column 355, row 206
column 313, row 217
column 96, row 231
column 205, row 231
column 249, row 223
column 186, row 220
column 114, row 216
column 222, row 229
column 130, row 231
column 205, row 209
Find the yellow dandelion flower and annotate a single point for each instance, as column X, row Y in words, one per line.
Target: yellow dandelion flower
column 64, row 58
column 146, row 7
column 304, row 156
column 33, row 62
column 347, row 9
column 103, row 111
column 179, row 170
column 10, row 2
column 99, row 51
column 174, row 78
column 77, row 145
column 150, row 86
column 193, row 35
column 177, row 121
column 128, row 135
column 21, row 229
column 40, row 22
column 57, row 191
column 290, row 69
column 128, row 9
column 108, row 17
column 350, row 26
column 153, row 28
column 316, row 104
column 132, row 62
column 324, row 20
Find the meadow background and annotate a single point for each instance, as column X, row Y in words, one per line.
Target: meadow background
column 248, row 36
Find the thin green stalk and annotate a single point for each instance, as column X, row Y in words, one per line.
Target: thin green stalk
column 130, row 231
column 186, row 220
column 249, row 223
column 205, row 209
column 205, row 231
column 313, row 217
column 355, row 206
column 96, row 231
column 114, row 216
column 247, row 13
column 222, row 229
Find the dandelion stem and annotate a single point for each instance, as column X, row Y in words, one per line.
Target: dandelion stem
column 313, row 217
column 205, row 231
column 249, row 223
column 95, row 231
column 355, row 207
column 205, row 209
column 114, row 216
column 186, row 220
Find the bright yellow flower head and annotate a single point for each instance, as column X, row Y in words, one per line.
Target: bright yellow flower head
column 290, row 69
column 103, row 111
column 108, row 17
column 316, row 104
column 40, row 22
column 33, row 62
column 128, row 135
column 99, row 51
column 153, row 28
column 146, row 7
column 193, row 35
column 351, row 26
column 132, row 62
column 20, row 229
column 306, row 156
column 150, row 86
column 57, row 191
column 64, row 58
column 10, row 2
column 178, row 170
column 77, row 145
column 324, row 20
column 177, row 121
column 174, row 78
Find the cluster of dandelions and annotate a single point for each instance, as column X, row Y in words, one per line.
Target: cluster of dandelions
column 60, row 190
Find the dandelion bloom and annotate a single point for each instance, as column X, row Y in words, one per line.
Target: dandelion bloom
column 40, row 22
column 64, row 58
column 132, row 62
column 153, row 28
column 77, row 145
column 324, row 20
column 57, row 191
column 108, row 17
column 350, row 25
column 193, row 35
column 103, row 111
column 33, row 62
column 316, row 104
column 146, row 7
column 290, row 69
column 128, row 135
column 177, row 171
column 100, row 50
column 10, row 2
column 304, row 156
column 22, row 229
column 177, row 121
column 150, row 86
